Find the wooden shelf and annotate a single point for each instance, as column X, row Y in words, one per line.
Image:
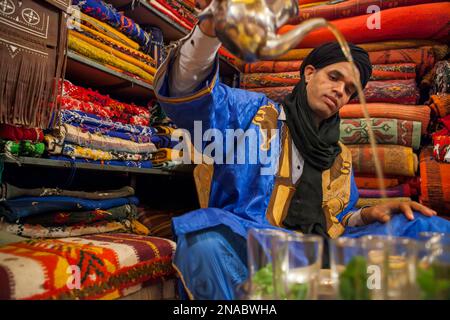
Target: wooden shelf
column 92, row 74
column 50, row 163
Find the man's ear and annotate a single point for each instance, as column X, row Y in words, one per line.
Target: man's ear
column 309, row 72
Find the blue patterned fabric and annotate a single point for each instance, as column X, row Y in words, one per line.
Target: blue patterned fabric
column 79, row 118
column 163, row 141
column 112, row 133
column 108, row 14
column 133, row 164
column 29, row 206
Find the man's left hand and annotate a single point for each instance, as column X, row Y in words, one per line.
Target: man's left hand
column 383, row 212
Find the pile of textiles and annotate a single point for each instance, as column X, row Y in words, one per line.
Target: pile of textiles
column 21, row 141
column 101, row 33
column 181, row 12
column 57, row 213
column 401, row 55
column 110, row 266
column 435, row 160
column 94, row 128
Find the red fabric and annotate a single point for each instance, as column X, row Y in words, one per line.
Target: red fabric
column 90, row 101
column 391, row 91
column 351, row 8
column 10, row 132
column 441, row 140
column 425, row 21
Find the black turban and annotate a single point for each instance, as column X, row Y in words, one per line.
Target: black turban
column 331, row 52
column 318, row 145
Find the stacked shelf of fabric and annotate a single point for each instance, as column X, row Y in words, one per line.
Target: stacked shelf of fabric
column 95, row 128
column 181, row 12
column 401, row 55
column 101, row 33
column 56, row 213
column 435, row 159
column 95, row 232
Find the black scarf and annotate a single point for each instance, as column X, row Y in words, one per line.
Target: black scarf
column 318, row 145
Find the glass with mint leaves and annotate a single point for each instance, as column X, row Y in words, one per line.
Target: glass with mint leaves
column 298, row 261
column 349, row 269
column 433, row 273
column 262, row 258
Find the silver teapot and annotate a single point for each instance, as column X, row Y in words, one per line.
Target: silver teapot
column 247, row 28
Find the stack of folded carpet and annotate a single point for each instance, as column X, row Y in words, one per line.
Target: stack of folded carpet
column 181, row 12
column 57, row 213
column 105, row 35
column 401, row 55
column 21, row 141
column 97, row 129
column 435, row 159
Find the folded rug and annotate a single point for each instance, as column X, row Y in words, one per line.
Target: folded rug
column 82, row 138
column 394, row 160
column 38, row 231
column 171, row 14
column 370, row 202
column 165, row 154
column 391, row 91
column 435, row 182
column 78, row 118
column 272, row 66
column 372, row 182
column 108, row 14
column 82, row 218
column 331, row 10
column 403, row 190
column 412, row 26
column 14, row 133
column 57, row 146
column 111, row 265
column 84, row 27
column 22, row 148
column 417, row 113
column 382, row 46
column 282, row 79
column 147, row 164
column 8, row 191
column 386, row 131
column 277, row 94
column 399, row 71
column 29, row 206
column 440, row 104
column 90, row 51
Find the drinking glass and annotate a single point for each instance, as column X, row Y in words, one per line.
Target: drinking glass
column 261, row 247
column 391, row 266
column 433, row 274
column 297, row 266
column 349, row 269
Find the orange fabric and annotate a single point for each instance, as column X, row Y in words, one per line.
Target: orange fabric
column 372, row 183
column 390, row 111
column 440, row 104
column 435, row 183
column 425, row 21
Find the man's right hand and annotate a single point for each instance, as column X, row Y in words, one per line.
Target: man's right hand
column 207, row 26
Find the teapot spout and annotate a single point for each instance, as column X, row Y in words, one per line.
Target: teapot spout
column 280, row 44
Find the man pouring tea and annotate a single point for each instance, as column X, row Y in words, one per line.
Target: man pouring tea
column 312, row 189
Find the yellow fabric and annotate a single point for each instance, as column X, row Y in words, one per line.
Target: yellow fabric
column 114, row 42
column 114, row 52
column 107, row 30
column 166, row 154
column 91, row 51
